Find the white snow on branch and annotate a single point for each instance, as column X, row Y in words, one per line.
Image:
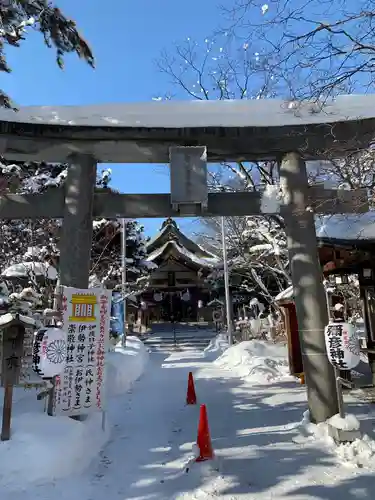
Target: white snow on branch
column 148, row 265
column 24, row 269
column 287, row 294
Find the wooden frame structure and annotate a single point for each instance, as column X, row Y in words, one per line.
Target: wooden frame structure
column 288, row 132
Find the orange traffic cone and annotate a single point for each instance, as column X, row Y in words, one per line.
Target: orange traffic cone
column 191, row 397
column 204, row 439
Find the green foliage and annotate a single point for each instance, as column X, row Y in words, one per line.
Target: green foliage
column 59, row 32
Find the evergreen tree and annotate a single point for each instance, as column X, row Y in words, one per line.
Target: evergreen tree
column 59, row 32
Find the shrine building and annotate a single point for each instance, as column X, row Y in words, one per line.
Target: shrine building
column 177, row 288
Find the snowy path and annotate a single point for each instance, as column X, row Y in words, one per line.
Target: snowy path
column 260, row 451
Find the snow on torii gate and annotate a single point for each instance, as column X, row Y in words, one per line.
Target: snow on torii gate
column 224, row 131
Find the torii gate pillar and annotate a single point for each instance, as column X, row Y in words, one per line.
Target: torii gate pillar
column 76, row 237
column 309, row 292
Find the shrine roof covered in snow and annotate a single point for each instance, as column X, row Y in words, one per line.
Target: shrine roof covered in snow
column 346, row 229
column 181, row 253
column 232, row 130
column 170, row 231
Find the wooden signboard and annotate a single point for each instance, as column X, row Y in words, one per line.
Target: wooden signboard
column 12, row 352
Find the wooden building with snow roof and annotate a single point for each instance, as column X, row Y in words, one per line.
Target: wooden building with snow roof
column 177, row 287
column 346, row 247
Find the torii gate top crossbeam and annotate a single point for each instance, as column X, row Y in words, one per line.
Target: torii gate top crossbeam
column 231, row 130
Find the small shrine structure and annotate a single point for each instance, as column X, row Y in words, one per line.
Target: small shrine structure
column 346, row 247
column 177, row 288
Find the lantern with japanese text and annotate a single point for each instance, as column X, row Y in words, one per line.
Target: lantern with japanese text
column 342, row 345
column 49, row 352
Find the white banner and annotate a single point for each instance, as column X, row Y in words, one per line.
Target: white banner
column 80, row 389
column 342, row 345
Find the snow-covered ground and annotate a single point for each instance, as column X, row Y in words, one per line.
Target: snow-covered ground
column 265, row 448
column 44, row 448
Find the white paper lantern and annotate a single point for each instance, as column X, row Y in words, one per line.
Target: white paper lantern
column 158, row 297
column 200, row 304
column 342, row 345
column 49, row 352
column 186, row 296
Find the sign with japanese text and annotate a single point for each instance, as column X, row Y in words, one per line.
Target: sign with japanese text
column 86, row 314
column 12, row 351
column 342, row 345
column 28, row 378
column 49, row 355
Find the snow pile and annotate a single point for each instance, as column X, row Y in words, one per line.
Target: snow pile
column 360, row 453
column 256, row 361
column 217, row 346
column 348, row 423
column 44, row 448
column 126, row 365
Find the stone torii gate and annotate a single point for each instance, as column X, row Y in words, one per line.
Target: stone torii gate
column 213, row 131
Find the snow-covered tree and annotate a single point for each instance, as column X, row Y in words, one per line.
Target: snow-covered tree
column 29, row 253
column 314, row 49
column 17, row 17
column 258, row 257
column 221, row 67
column 106, row 265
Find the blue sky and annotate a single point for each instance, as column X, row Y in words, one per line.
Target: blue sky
column 126, row 37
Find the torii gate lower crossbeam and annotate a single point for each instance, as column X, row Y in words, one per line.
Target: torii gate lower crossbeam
column 137, row 206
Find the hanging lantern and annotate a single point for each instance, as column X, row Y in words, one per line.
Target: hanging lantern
column 49, row 352
column 186, row 296
column 158, row 297
column 200, row 304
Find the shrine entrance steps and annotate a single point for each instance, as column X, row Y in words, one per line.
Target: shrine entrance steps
column 167, row 337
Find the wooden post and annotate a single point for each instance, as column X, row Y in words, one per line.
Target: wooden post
column 13, row 337
column 7, row 412
column 309, row 292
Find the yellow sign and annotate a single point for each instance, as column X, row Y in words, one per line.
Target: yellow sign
column 83, row 308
